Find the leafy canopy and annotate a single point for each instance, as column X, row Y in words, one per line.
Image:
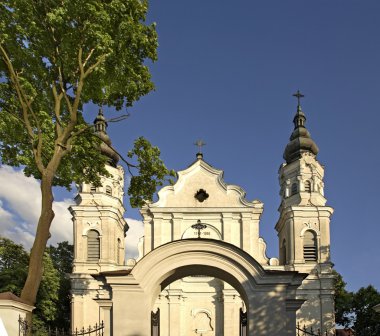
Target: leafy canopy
column 57, row 56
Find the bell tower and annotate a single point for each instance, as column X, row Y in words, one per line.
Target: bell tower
column 304, row 224
column 99, row 224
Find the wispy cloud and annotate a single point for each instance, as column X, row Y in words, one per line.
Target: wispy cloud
column 20, row 204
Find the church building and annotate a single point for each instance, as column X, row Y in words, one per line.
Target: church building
column 202, row 267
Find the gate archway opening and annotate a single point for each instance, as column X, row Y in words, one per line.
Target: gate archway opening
column 198, row 304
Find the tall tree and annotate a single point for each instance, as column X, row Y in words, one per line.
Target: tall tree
column 57, row 56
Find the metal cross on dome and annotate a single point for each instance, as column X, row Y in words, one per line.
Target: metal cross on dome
column 298, row 95
column 199, row 226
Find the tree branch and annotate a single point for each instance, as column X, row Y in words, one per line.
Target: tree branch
column 92, row 67
column 88, row 57
column 57, row 109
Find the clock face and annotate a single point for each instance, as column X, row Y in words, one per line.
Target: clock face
column 210, row 232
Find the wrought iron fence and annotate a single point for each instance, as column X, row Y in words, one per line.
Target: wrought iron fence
column 27, row 329
column 303, row 331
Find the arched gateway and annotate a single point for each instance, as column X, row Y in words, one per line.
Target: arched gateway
column 201, row 258
column 270, row 296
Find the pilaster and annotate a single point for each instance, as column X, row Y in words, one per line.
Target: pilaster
column 105, row 307
column 175, row 304
column 231, row 304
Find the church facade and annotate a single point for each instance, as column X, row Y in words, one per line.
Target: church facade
column 202, row 263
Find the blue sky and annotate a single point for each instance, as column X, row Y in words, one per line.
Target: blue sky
column 226, row 73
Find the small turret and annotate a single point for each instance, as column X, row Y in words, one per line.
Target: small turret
column 100, row 124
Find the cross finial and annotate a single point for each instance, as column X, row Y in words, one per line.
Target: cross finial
column 199, row 143
column 299, row 95
column 199, row 226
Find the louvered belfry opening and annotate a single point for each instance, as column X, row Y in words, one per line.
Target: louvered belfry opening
column 93, row 246
column 310, row 247
column 294, row 189
column 108, row 190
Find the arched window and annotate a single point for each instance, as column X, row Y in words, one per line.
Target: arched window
column 310, row 246
column 108, row 190
column 294, row 189
column 93, row 246
column 308, row 186
column 283, row 253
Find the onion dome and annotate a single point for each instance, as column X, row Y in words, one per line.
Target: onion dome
column 100, row 124
column 300, row 140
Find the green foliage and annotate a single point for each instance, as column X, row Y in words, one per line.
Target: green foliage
column 65, row 54
column 152, row 172
column 355, row 309
column 53, row 300
column 13, row 266
column 343, row 302
column 47, row 298
column 63, row 256
column 367, row 321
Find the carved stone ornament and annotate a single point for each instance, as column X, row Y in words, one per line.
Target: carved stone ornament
column 93, row 225
column 201, row 195
column 311, row 225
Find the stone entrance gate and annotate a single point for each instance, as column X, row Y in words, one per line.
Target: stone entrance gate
column 269, row 295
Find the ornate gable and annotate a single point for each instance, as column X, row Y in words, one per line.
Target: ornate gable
column 201, row 185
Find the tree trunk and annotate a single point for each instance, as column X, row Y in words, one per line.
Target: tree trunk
column 35, row 271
